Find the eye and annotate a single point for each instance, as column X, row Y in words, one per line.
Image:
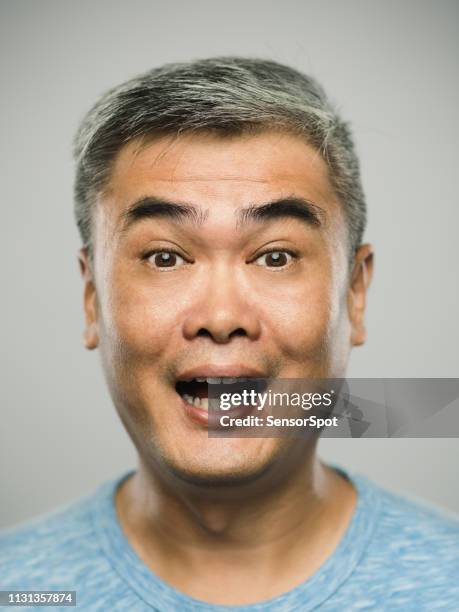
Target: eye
column 165, row 259
column 274, row 259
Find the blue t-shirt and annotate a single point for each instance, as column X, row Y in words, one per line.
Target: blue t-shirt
column 396, row 555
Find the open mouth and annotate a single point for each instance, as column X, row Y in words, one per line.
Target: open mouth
column 195, row 392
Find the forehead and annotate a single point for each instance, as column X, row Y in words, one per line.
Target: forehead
column 208, row 170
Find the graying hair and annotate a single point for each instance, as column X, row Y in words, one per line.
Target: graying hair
column 224, row 95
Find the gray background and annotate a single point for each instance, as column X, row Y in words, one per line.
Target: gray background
column 391, row 67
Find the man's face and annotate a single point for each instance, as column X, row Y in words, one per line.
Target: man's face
column 247, row 278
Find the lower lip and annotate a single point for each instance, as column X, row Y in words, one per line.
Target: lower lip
column 211, row 419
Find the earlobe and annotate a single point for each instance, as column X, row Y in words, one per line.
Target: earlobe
column 90, row 333
column 357, row 297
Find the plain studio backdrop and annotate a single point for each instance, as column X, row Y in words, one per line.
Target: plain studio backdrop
column 389, row 66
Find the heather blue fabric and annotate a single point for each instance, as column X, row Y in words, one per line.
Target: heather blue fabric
column 396, row 555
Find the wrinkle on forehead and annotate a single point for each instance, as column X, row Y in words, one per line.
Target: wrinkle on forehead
column 210, row 179
column 203, row 167
column 221, row 175
column 170, row 151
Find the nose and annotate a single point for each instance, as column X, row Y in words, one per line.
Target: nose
column 222, row 310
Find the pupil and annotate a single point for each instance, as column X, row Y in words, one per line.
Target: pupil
column 164, row 259
column 276, row 259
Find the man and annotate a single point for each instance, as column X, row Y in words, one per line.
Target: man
column 221, row 213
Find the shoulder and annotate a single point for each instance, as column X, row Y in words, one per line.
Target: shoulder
column 54, row 546
column 413, row 523
column 414, row 545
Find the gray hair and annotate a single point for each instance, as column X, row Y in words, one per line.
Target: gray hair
column 224, row 95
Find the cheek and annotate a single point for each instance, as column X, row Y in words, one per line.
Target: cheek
column 136, row 321
column 303, row 319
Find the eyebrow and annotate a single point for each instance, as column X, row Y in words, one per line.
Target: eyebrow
column 152, row 207
column 294, row 207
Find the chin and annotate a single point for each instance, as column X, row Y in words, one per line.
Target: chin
column 227, row 466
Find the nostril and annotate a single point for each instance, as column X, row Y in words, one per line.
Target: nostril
column 238, row 332
column 204, row 332
column 207, row 334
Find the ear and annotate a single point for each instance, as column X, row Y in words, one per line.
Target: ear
column 90, row 334
column 357, row 294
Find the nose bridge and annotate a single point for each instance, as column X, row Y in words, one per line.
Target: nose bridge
column 221, row 309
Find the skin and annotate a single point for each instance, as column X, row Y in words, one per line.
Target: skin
column 264, row 513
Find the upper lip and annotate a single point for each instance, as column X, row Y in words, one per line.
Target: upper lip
column 222, row 371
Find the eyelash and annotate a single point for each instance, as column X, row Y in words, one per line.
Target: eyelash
column 292, row 254
column 147, row 256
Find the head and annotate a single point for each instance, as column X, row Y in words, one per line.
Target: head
column 221, row 214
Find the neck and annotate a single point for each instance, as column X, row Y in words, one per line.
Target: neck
column 287, row 530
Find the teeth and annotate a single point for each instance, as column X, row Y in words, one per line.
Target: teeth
column 226, row 380
column 205, row 403
column 199, row 402
column 218, row 380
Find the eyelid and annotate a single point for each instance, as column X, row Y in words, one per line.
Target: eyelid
column 145, row 258
column 151, row 252
column 290, row 252
column 166, row 244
